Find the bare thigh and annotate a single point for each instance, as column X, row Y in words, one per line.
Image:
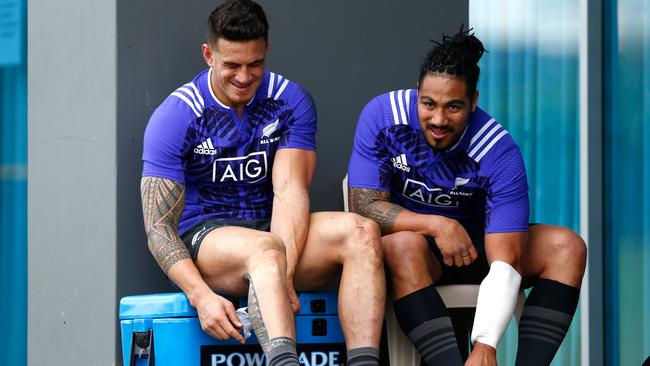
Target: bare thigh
column 225, row 255
column 327, row 244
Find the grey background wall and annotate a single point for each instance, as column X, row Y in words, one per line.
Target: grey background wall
column 97, row 71
column 71, row 182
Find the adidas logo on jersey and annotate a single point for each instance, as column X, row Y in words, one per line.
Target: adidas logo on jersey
column 205, row 148
column 399, row 162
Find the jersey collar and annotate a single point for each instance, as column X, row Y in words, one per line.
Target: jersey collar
column 214, row 97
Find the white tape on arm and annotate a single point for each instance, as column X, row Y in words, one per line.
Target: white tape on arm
column 496, row 301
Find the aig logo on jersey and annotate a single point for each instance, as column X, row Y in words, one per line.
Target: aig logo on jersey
column 250, row 168
column 419, row 192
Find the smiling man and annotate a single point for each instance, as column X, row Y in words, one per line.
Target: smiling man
column 228, row 164
column 447, row 185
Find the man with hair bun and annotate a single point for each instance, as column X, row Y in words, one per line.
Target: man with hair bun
column 447, row 185
column 228, row 163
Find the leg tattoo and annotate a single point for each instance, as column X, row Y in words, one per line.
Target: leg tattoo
column 255, row 315
column 279, row 341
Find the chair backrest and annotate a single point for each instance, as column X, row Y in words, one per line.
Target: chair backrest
column 344, row 185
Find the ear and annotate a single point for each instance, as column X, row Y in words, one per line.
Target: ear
column 207, row 53
column 475, row 101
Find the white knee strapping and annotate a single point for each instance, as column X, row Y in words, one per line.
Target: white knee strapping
column 496, row 301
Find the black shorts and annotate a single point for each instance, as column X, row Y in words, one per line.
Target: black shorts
column 194, row 236
column 472, row 274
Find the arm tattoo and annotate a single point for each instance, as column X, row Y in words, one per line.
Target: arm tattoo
column 255, row 315
column 162, row 205
column 375, row 205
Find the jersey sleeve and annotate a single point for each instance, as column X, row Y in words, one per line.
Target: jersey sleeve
column 164, row 140
column 369, row 163
column 301, row 132
column 507, row 200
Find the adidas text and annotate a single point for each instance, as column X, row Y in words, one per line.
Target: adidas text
column 204, row 151
column 401, row 166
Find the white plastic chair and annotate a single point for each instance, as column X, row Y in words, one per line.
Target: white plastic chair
column 401, row 351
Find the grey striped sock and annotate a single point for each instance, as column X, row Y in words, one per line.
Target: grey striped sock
column 363, row 356
column 545, row 321
column 436, row 342
column 544, row 324
column 282, row 352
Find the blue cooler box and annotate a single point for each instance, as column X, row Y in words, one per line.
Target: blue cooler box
column 163, row 330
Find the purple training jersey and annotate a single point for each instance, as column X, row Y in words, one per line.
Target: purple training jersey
column 226, row 162
column 480, row 181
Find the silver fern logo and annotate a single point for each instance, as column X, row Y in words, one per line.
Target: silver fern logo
column 460, row 182
column 267, row 131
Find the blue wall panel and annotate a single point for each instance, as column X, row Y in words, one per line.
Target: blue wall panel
column 529, row 83
column 13, row 204
column 627, row 178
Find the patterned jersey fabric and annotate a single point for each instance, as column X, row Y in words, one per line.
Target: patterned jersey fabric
column 480, row 181
column 226, row 162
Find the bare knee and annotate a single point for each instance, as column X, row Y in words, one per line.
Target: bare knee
column 569, row 248
column 361, row 239
column 269, row 254
column 405, row 251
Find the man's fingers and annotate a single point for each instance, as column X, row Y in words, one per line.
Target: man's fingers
column 294, row 300
column 473, row 253
column 231, row 331
column 467, row 259
column 295, row 306
column 232, row 315
column 458, row 260
column 215, row 331
column 231, row 324
column 449, row 260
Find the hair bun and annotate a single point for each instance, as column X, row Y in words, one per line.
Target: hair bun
column 456, row 55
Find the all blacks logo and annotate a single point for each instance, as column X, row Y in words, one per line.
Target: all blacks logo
column 250, row 168
column 420, row 193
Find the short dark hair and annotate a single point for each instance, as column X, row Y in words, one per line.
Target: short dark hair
column 237, row 20
column 456, row 55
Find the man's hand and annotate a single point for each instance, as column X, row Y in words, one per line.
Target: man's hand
column 218, row 318
column 482, row 355
column 455, row 245
column 293, row 297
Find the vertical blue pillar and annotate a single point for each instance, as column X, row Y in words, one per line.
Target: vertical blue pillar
column 13, row 183
column 627, row 174
column 529, row 83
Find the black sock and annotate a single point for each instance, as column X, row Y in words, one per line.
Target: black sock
column 423, row 317
column 282, row 352
column 545, row 320
column 363, row 356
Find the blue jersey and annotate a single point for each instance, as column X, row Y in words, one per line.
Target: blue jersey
column 226, row 162
column 480, row 181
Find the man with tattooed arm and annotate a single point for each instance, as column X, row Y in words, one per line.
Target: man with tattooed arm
column 447, row 185
column 228, row 163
